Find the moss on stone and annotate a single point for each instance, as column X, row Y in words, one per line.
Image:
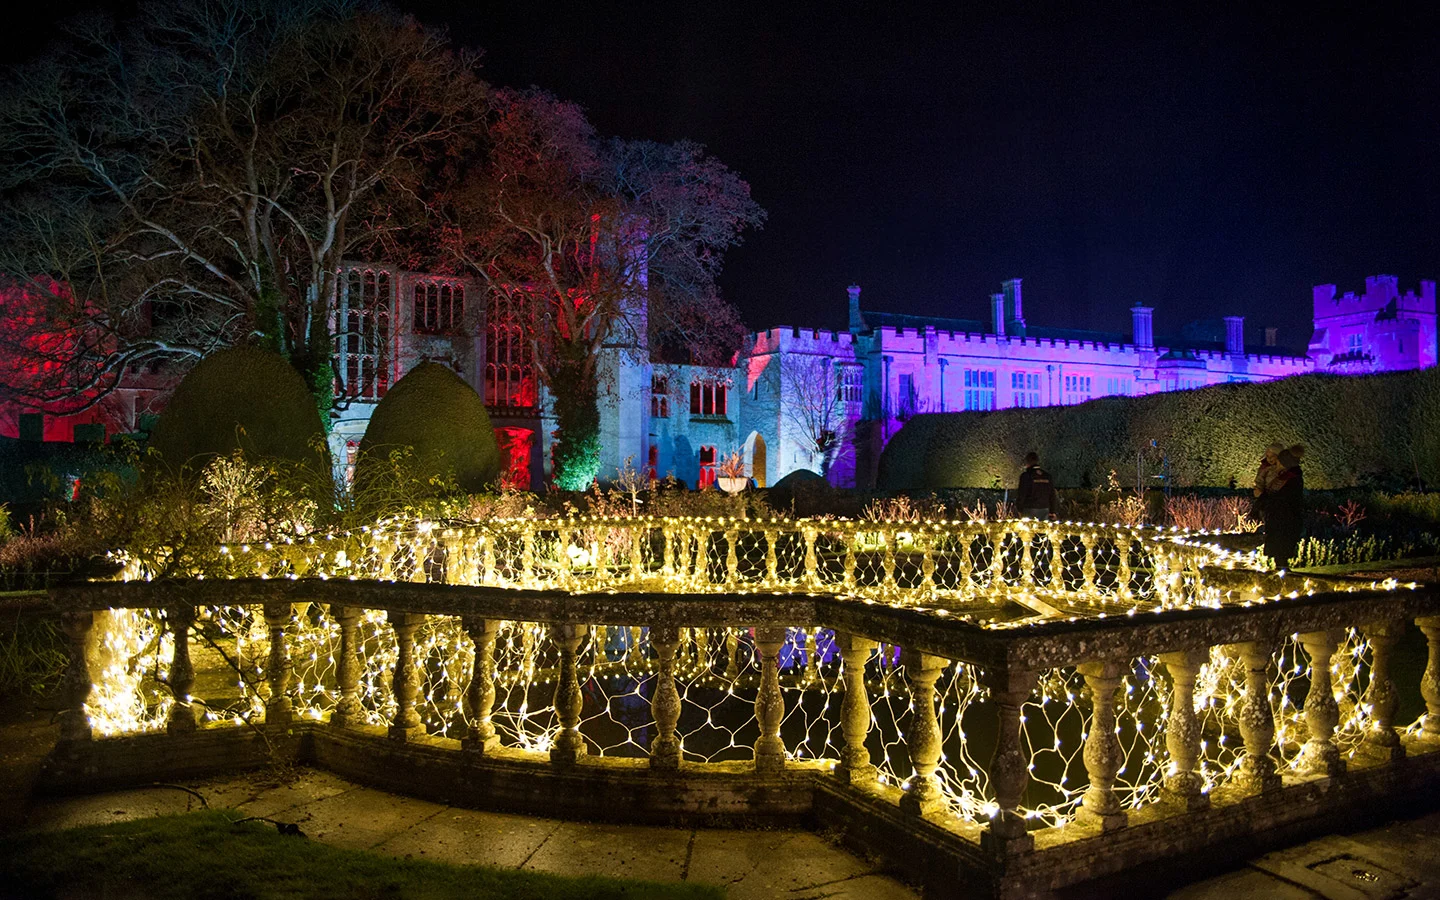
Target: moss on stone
column 242, row 398
column 439, row 424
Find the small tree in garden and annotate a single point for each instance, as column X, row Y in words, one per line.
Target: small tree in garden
column 812, row 405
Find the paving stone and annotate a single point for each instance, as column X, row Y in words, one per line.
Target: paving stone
column 359, row 819
column 771, row 864
column 269, row 797
column 100, row 809
column 469, row 836
column 621, row 851
column 1246, row 884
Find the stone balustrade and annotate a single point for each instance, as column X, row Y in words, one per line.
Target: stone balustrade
column 1007, row 742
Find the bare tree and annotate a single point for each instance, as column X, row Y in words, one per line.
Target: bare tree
column 196, row 178
column 812, row 404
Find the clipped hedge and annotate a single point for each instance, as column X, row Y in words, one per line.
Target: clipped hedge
column 439, row 421
column 241, row 398
column 1358, row 430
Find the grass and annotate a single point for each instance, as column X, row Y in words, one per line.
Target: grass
column 32, row 654
column 203, row 855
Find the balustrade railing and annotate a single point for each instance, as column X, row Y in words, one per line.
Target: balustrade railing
column 995, row 732
column 1036, row 568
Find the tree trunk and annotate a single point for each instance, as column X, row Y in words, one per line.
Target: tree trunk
column 577, row 419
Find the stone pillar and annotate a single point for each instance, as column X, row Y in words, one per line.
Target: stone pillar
column 854, row 766
column 772, row 561
column 74, row 721
column 1320, row 756
column 1257, row 721
column 888, row 538
column 922, row 790
column 1010, row 766
column 277, row 668
column 1103, row 754
column 665, row 751
column 348, row 710
column 569, row 746
column 769, row 702
column 812, row 563
column 1182, row 735
column 1430, row 682
column 1057, row 559
column 1087, row 568
column 406, row 724
column 182, row 719
column 732, row 652
column 732, row 558
column 480, row 695
column 1122, row 575
column 1027, row 558
column 1380, row 737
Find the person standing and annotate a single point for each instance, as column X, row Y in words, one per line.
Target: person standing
column 1036, row 496
column 1284, row 507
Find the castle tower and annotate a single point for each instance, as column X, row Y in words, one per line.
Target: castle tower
column 1140, row 320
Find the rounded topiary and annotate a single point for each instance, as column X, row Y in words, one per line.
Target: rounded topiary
column 245, row 399
column 801, row 492
column 439, row 423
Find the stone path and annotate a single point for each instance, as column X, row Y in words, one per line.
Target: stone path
column 753, row 865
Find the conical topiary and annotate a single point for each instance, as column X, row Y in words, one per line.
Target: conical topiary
column 246, row 399
column 440, row 424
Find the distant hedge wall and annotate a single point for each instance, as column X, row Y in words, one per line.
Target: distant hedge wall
column 1372, row 430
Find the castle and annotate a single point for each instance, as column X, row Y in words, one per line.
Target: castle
column 801, row 398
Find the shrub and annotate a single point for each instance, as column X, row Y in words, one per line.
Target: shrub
column 1372, row 430
column 248, row 400
column 429, row 436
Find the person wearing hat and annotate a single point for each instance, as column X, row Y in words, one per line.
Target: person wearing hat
column 1284, row 507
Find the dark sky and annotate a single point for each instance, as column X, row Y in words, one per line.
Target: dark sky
column 1211, row 164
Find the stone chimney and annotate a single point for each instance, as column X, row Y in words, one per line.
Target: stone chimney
column 857, row 322
column 1235, row 335
column 1014, row 310
column 1141, row 328
column 997, row 312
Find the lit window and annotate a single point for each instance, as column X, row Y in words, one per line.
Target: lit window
column 509, row 366
column 367, row 308
column 908, row 401
column 709, row 398
column 1024, row 389
column 852, row 383
column 707, row 467
column 659, row 397
column 979, row 389
column 1077, row 388
column 439, row 307
column 1355, row 343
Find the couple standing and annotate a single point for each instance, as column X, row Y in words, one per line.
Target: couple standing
column 1280, row 501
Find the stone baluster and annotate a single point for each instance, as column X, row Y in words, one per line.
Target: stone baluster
column 348, row 710
column 997, row 560
column 888, row 538
column 667, row 564
column 1005, row 835
column 927, row 558
column 1430, row 682
column 665, row 751
column 1087, row 568
column 854, row 766
column 278, row 669
column 850, row 538
column 74, row 721
column 569, row 745
column 923, row 795
column 1182, row 734
column 637, row 558
column 769, row 702
column 1257, row 772
column 967, row 564
column 453, row 571
column 487, row 560
column 183, row 714
column 406, row 678
column 1382, row 698
column 1103, row 754
column 1057, row 559
column 772, row 561
column 732, row 652
column 812, row 563
column 480, row 695
column 385, row 554
column 1320, row 755
column 1027, row 558
column 1122, row 575
column 732, row 558
column 527, row 554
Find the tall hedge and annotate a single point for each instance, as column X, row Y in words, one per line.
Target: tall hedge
column 1358, row 430
column 247, row 399
column 439, row 420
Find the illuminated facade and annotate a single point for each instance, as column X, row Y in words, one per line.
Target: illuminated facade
column 1381, row 330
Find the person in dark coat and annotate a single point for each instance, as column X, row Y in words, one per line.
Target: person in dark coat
column 1036, row 496
column 1284, row 508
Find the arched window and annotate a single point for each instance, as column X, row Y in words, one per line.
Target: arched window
column 509, row 361
column 367, row 312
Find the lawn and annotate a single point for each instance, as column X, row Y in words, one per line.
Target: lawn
column 205, row 855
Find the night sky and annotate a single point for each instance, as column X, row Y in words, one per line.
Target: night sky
column 1206, row 165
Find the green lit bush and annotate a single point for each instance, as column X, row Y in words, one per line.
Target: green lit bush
column 1370, row 431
